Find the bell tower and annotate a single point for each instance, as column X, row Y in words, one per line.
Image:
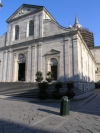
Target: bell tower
column 77, row 24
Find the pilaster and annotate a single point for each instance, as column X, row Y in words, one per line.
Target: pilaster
column 70, row 46
column 39, row 49
column 11, row 66
column 75, row 58
column 15, row 68
column 66, row 47
column 41, row 24
column 8, row 65
column 5, row 66
column 33, row 64
column 29, row 65
column 25, row 53
column 35, row 27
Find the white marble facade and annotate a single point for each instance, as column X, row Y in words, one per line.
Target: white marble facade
column 50, row 45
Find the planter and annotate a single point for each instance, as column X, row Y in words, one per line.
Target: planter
column 70, row 94
column 42, row 90
column 39, row 80
column 49, row 80
column 56, row 95
column 42, row 96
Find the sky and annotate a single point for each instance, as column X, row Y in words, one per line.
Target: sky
column 64, row 11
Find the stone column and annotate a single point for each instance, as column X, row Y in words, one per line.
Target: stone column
column 28, row 79
column 41, row 25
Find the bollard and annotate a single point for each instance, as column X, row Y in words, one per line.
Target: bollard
column 64, row 106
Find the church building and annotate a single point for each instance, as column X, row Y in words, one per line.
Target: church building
column 35, row 42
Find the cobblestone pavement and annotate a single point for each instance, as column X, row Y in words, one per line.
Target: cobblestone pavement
column 24, row 117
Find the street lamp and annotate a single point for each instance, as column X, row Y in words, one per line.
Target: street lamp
column 1, row 4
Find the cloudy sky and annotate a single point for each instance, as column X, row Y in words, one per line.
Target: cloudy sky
column 63, row 11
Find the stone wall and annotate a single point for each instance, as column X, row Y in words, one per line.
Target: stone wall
column 3, row 40
column 86, row 63
column 50, row 28
column 96, row 53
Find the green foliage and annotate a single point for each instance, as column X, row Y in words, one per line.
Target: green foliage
column 50, row 73
column 49, row 76
column 39, row 73
column 39, row 76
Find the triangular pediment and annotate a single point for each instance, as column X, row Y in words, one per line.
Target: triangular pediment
column 53, row 51
column 24, row 10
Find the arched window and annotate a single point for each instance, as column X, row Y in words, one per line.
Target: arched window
column 16, row 32
column 31, row 28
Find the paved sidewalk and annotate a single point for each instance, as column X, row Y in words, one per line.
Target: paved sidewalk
column 26, row 117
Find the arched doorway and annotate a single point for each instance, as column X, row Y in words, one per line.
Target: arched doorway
column 54, row 67
column 21, row 67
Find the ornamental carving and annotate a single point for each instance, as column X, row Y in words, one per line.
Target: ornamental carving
column 21, row 57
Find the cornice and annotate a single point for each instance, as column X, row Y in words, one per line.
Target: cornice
column 39, row 40
column 95, row 47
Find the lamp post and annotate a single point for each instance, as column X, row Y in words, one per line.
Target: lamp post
column 1, row 4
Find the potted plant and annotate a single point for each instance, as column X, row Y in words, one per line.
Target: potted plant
column 42, row 90
column 70, row 92
column 49, row 76
column 39, row 76
column 56, row 94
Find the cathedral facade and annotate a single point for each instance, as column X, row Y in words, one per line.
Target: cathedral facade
column 36, row 42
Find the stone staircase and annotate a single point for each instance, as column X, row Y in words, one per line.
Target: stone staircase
column 17, row 88
column 27, row 90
